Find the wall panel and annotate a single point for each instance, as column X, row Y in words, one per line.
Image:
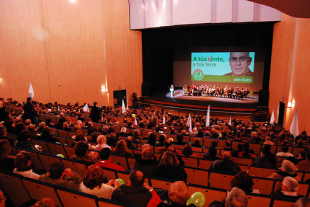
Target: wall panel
column 59, row 46
column 292, row 85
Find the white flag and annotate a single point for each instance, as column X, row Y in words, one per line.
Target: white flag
column 136, row 123
column 272, row 118
column 189, row 123
column 86, row 108
column 229, row 123
column 294, row 126
column 164, row 119
column 31, row 92
column 208, row 117
column 123, row 107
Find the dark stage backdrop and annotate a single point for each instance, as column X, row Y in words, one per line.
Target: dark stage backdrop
column 166, row 51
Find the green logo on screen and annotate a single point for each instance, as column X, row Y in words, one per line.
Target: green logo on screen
column 198, row 74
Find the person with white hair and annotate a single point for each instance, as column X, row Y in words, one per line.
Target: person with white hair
column 236, row 197
column 288, row 191
column 302, row 202
column 287, row 169
column 101, row 143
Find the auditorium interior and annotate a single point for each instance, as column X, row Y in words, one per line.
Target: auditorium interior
column 132, row 58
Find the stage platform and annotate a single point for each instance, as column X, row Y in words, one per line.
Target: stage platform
column 248, row 104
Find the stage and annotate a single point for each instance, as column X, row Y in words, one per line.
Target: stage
column 248, row 104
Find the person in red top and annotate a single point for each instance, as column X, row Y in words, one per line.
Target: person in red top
column 105, row 160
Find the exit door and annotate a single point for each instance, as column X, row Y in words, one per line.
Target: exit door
column 120, row 95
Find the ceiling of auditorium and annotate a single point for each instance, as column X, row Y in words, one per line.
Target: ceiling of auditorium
column 295, row 8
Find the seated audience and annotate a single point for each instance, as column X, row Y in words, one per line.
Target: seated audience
column 101, row 143
column 305, row 164
column 238, row 152
column 263, row 160
column 3, row 135
column 287, row 169
column 268, row 141
column 93, row 183
column 6, row 160
column 81, row 149
column 46, row 136
column 180, row 140
column 45, row 202
column 169, row 168
column 121, row 149
column 302, row 202
column 58, row 175
column 284, row 152
column 151, row 139
column 236, row 198
column 136, row 192
column 211, row 155
column 243, row 181
column 247, row 152
column 197, row 143
column 288, row 191
column 178, row 195
column 168, row 143
column 225, row 166
column 23, row 165
column 24, row 141
column 146, row 162
column 105, row 160
column 188, row 151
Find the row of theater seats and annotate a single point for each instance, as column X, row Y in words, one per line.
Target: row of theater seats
column 205, row 141
column 26, row 189
column 196, row 175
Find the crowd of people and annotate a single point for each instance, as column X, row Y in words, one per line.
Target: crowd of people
column 225, row 92
column 94, row 147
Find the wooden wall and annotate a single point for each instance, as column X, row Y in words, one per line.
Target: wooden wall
column 68, row 51
column 290, row 74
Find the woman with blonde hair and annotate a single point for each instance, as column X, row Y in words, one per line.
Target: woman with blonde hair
column 169, row 168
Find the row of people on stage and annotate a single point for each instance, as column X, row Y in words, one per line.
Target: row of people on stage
column 226, row 92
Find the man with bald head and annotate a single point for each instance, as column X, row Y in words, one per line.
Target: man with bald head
column 178, row 195
column 226, row 165
column 136, row 192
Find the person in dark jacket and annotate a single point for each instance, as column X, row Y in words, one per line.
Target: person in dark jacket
column 30, row 112
column 225, row 166
column 137, row 192
column 169, row 168
column 146, row 162
column 95, row 113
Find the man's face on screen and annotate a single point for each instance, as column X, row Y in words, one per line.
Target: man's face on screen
column 239, row 63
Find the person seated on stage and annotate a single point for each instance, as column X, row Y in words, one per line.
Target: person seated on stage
column 288, row 191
